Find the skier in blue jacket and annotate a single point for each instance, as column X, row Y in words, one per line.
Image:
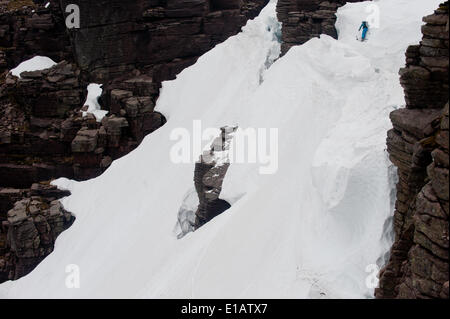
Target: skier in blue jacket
column 365, row 27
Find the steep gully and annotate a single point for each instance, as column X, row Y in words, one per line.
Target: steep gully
column 418, row 145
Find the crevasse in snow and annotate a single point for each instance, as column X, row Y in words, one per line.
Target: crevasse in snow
column 310, row 230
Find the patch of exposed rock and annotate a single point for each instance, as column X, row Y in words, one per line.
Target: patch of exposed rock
column 303, row 20
column 202, row 203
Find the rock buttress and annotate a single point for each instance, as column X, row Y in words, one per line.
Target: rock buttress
column 128, row 46
column 419, row 146
column 159, row 38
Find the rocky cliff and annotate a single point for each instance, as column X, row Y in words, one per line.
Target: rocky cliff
column 418, row 145
column 209, row 174
column 305, row 19
column 28, row 29
column 129, row 47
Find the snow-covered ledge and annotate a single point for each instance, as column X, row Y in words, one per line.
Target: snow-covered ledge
column 34, row 64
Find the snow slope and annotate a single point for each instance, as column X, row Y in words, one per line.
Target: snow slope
column 308, row 231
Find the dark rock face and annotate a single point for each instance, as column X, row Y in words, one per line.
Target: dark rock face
column 128, row 46
column 40, row 118
column 50, row 93
column 30, row 228
column 24, row 33
column 158, row 37
column 419, row 146
column 305, row 19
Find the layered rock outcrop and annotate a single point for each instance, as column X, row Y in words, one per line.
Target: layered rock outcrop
column 203, row 203
column 128, row 46
column 419, row 146
column 159, row 38
column 28, row 29
column 303, row 20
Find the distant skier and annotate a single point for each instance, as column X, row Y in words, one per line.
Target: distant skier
column 365, row 27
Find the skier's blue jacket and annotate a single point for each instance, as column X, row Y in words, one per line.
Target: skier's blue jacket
column 365, row 28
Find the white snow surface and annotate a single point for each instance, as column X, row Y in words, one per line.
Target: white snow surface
column 34, row 64
column 94, row 92
column 308, row 231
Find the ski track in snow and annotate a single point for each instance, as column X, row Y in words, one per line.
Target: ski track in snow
column 308, row 231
